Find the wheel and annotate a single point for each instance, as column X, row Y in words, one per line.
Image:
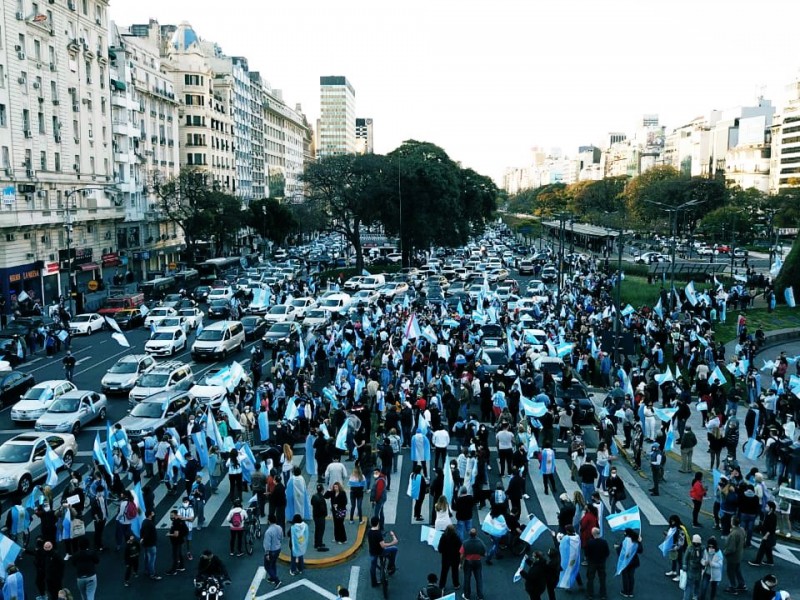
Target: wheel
column 76, row 428
column 89, row 330
column 102, row 414
column 249, row 542
column 385, row 579
column 24, row 486
column 68, row 458
column 258, row 529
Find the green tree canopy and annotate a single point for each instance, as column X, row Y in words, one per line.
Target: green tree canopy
column 271, row 219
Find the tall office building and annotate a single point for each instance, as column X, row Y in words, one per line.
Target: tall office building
column 59, row 211
column 336, row 128
column 364, row 143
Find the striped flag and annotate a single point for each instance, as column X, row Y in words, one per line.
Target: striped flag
column 570, row 548
column 52, row 463
column 494, row 526
column 627, row 519
column 9, row 551
column 627, row 552
column 518, row 573
column 412, row 330
column 100, row 456
column 668, row 543
column 533, row 530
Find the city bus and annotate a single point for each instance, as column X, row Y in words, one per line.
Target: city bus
column 215, row 268
column 157, row 288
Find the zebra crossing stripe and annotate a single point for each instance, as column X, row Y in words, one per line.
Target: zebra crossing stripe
column 393, row 495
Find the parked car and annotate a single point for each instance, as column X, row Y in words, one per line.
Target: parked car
column 39, row 398
column 86, row 324
column 121, row 378
column 254, row 327
column 280, row 313
column 129, row 318
column 13, row 384
column 22, row 459
column 72, row 411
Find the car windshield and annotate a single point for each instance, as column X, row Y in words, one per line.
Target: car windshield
column 81, row 319
column 250, row 321
column 277, row 310
column 38, row 393
column 148, row 410
column 331, row 303
column 299, row 302
column 14, row 453
column 154, row 380
column 219, row 303
column 160, row 312
column 209, row 335
column 186, row 312
column 281, row 328
column 315, row 314
column 171, row 323
column 162, row 336
column 121, row 316
column 124, row 366
column 65, row 405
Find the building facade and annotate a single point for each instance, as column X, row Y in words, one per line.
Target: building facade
column 364, row 136
column 59, row 209
column 336, row 128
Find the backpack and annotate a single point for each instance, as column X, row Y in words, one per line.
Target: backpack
column 131, row 510
column 236, row 520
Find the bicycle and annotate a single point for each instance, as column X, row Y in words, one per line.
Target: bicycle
column 252, row 531
column 383, row 574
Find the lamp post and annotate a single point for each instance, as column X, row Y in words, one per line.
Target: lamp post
column 562, row 218
column 618, row 320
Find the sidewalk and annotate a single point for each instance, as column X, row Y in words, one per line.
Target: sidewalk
column 339, row 553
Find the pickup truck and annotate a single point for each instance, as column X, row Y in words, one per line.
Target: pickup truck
column 113, row 305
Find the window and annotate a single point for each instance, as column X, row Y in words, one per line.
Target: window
column 85, row 4
column 40, row 119
column 56, row 128
column 54, row 91
column 88, row 71
column 43, row 160
column 38, row 85
column 51, row 53
column 3, row 118
column 77, row 162
column 91, row 164
column 2, row 76
column 75, row 129
column 57, row 161
column 26, row 119
column 37, row 46
column 6, row 158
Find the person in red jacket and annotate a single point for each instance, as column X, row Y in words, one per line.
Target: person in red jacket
column 697, row 493
column 588, row 522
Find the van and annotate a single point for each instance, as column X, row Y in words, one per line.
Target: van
column 373, row 282
column 218, row 340
column 336, row 304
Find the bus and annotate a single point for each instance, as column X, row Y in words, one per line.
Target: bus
column 215, row 268
column 157, row 288
column 188, row 278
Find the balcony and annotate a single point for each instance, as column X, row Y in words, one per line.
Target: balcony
column 122, row 157
column 121, row 100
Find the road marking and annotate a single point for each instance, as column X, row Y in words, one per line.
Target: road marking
column 641, row 498
column 319, row 590
column 390, row 508
column 84, row 359
column 352, row 585
column 164, row 523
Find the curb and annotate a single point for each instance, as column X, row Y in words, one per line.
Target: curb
column 337, row 559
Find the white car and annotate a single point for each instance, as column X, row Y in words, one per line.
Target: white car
column 302, row 305
column 72, row 411
column 365, row 297
column 123, row 375
column 157, row 314
column 39, row 398
column 535, row 286
column 220, row 293
column 194, row 316
column 317, row 318
column 280, row 313
column 178, row 321
column 86, row 324
column 166, row 341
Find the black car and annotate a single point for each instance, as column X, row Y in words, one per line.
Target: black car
column 254, row 327
column 200, row 293
column 280, row 335
column 577, row 395
column 13, row 385
column 23, row 325
column 9, row 350
column 129, row 318
column 219, row 309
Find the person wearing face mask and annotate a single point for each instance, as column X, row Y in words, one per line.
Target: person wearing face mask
column 177, row 534
column 197, row 492
column 99, row 512
column 186, row 514
column 693, row 565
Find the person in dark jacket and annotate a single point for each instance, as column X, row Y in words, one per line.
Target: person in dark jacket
column 515, row 490
column 319, row 512
column 567, row 513
column 765, row 588
column 53, row 568
column 629, row 572
column 449, row 547
column 596, row 553
column 768, row 527
column 535, row 575
column 552, row 570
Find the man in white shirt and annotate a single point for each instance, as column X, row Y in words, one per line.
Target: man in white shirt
column 441, row 440
column 336, row 472
column 505, row 447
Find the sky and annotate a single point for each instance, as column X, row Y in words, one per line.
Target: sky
column 489, row 80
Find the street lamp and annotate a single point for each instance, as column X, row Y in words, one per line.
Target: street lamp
column 562, row 218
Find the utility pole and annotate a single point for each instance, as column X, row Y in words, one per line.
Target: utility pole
column 618, row 320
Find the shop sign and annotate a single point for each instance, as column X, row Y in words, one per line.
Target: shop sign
column 51, row 268
column 110, row 259
column 30, row 274
column 92, row 285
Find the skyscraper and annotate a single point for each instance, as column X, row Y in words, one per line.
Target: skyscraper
column 364, row 144
column 336, row 128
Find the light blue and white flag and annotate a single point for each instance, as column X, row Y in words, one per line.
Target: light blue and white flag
column 9, row 551
column 263, row 425
column 533, row 447
column 449, row 484
column 628, row 310
column 691, row 294
column 430, row 536
column 668, row 543
column 533, row 530
column 233, row 422
column 531, row 408
column 626, row 554
column 669, row 443
column 518, row 573
column 788, row 295
column 666, row 414
column 665, row 377
column 627, row 519
column 341, row 438
column 570, row 549
column 100, row 456
column 659, row 309
column 212, row 431
column 494, row 526
column 52, row 463
column 717, row 375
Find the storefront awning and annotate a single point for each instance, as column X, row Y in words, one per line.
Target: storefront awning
column 89, row 267
column 120, row 85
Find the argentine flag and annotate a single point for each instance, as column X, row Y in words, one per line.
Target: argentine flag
column 627, row 519
column 718, row 376
column 533, row 530
column 531, row 408
column 494, row 526
column 9, row 551
column 626, row 554
column 341, row 438
column 52, row 463
column 570, row 548
column 668, row 543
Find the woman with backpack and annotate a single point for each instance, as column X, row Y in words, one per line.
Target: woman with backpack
column 236, row 518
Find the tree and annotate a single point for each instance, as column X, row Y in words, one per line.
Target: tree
column 723, row 222
column 790, row 272
column 348, row 191
column 202, row 212
column 271, row 219
column 590, row 199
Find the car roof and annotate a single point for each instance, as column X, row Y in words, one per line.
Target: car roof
column 133, row 357
column 30, row 437
column 51, row 383
column 167, row 394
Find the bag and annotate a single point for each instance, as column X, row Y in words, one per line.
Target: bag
column 78, row 528
column 341, row 513
column 236, row 520
column 682, row 580
column 131, row 511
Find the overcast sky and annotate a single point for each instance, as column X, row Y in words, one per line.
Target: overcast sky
column 489, row 80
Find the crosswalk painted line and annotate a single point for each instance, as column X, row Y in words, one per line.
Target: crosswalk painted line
column 392, row 496
column 646, row 506
column 547, row 502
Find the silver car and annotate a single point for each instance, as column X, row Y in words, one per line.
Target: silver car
column 123, row 375
column 22, row 459
column 156, row 413
column 72, row 411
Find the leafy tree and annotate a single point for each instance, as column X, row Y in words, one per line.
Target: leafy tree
column 787, row 206
column 347, row 190
column 721, row 224
column 202, row 212
column 645, row 194
column 478, row 198
column 590, row 199
column 271, row 219
column 790, row 272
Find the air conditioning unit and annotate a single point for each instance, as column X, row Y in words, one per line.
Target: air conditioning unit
column 21, row 55
column 76, row 107
column 30, row 173
column 28, row 133
column 30, row 255
column 7, row 171
column 57, row 139
column 108, row 235
column 21, row 80
column 56, row 102
column 98, row 22
column 84, row 101
column 76, row 167
column 52, row 66
column 42, row 193
column 20, row 16
column 36, row 85
column 17, row 48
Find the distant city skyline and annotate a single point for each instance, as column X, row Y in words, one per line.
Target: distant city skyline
column 489, row 81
